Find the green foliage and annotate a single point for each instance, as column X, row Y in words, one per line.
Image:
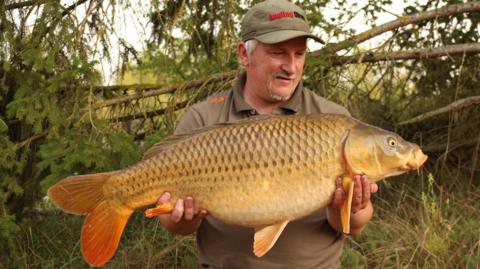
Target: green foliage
column 8, row 188
column 155, row 137
column 77, row 153
column 438, row 225
column 352, row 259
column 9, row 230
column 45, row 134
column 3, row 126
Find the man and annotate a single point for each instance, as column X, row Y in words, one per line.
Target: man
column 272, row 50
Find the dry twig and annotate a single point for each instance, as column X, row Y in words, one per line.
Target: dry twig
column 151, row 90
column 369, row 57
column 457, row 105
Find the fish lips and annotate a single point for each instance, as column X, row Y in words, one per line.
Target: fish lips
column 417, row 159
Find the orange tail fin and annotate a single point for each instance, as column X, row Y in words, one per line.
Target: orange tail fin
column 104, row 223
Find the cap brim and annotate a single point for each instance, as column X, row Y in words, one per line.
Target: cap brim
column 284, row 35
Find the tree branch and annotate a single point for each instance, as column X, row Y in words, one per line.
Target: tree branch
column 72, row 7
column 149, row 114
column 154, row 90
column 160, row 111
column 40, row 2
column 31, row 139
column 24, row 4
column 456, row 145
column 457, row 105
column 369, row 57
column 402, row 21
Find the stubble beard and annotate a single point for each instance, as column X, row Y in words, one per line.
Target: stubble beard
column 277, row 97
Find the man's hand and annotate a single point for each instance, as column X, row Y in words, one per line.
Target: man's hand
column 362, row 209
column 184, row 219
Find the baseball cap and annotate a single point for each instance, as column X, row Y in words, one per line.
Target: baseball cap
column 275, row 21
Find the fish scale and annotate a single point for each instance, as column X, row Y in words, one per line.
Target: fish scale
column 255, row 173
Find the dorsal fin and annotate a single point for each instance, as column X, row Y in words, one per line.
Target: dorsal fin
column 164, row 144
column 173, row 139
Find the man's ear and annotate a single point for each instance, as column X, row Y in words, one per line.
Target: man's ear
column 242, row 53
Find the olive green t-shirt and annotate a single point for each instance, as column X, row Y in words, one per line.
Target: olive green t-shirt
column 309, row 242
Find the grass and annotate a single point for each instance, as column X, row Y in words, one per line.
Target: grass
column 417, row 224
column 430, row 228
column 51, row 240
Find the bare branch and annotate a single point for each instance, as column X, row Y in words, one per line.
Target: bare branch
column 24, row 4
column 31, row 139
column 402, row 21
column 457, row 105
column 369, row 57
column 467, row 143
column 155, row 90
column 40, row 2
column 474, row 164
column 73, row 6
column 150, row 114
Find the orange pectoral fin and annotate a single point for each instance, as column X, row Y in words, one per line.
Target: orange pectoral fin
column 348, row 185
column 266, row 237
column 158, row 210
column 101, row 232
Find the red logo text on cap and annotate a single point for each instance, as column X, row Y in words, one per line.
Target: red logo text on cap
column 285, row 14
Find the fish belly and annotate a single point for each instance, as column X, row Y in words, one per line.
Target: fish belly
column 269, row 201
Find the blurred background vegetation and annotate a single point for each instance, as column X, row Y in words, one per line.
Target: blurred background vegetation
column 62, row 113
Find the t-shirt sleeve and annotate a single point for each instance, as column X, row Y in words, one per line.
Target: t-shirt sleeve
column 191, row 120
column 317, row 104
column 337, row 109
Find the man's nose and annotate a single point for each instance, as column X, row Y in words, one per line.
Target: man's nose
column 289, row 64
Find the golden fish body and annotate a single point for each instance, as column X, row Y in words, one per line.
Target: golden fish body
column 247, row 174
column 253, row 173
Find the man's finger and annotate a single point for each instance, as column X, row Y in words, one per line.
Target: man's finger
column 201, row 214
column 338, row 183
column 339, row 194
column 164, row 198
column 366, row 192
column 373, row 187
column 177, row 212
column 188, row 208
column 357, row 194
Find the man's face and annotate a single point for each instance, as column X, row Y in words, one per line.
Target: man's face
column 276, row 69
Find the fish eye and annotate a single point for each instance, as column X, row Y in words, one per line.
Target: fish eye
column 392, row 141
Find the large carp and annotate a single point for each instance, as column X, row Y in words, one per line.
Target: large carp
column 240, row 173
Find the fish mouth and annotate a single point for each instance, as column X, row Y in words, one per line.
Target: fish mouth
column 417, row 160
